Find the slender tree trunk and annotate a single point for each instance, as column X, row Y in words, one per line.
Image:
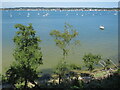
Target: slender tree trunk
column 59, row 79
column 64, row 54
column 25, row 86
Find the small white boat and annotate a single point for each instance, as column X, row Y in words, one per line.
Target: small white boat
column 46, row 14
column 28, row 15
column 102, row 27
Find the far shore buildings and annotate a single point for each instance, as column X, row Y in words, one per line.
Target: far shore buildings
column 60, row 9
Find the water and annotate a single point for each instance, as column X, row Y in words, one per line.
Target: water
column 92, row 39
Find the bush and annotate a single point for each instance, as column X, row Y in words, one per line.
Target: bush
column 74, row 67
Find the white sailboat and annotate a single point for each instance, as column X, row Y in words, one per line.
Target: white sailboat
column 28, row 15
column 46, row 14
column 77, row 14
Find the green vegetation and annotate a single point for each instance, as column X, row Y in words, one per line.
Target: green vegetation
column 23, row 74
column 75, row 67
column 90, row 60
column 63, row 40
column 27, row 54
column 61, row 69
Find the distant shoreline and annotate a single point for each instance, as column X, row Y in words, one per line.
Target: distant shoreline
column 60, row 9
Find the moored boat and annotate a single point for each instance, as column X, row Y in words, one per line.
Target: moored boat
column 102, row 27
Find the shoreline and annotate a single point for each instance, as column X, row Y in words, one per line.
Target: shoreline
column 60, row 9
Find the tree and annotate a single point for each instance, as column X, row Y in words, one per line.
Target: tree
column 90, row 60
column 63, row 40
column 61, row 69
column 27, row 54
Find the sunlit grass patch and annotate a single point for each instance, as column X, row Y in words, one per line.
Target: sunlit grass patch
column 100, row 74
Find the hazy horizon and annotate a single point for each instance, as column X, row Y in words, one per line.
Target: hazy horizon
column 61, row 4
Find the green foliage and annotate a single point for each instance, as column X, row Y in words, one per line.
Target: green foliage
column 74, row 67
column 27, row 51
column 63, row 39
column 61, row 69
column 3, row 79
column 17, row 74
column 27, row 54
column 90, row 60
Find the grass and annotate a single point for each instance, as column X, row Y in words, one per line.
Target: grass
column 100, row 74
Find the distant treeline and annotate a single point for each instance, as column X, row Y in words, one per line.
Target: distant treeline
column 59, row 8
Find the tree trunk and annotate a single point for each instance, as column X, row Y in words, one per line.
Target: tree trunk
column 64, row 54
column 59, row 79
column 25, row 86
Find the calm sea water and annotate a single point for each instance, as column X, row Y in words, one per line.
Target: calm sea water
column 92, row 39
